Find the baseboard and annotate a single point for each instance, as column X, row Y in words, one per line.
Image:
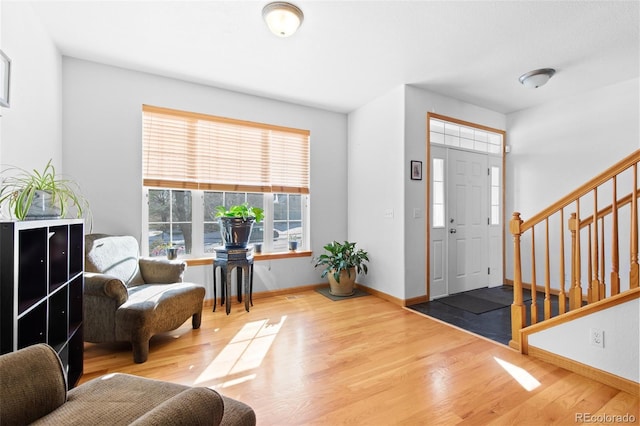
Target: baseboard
column 587, row 371
column 290, row 290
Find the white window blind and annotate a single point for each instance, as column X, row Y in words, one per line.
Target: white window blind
column 198, row 151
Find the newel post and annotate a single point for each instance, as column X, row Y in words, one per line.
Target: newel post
column 518, row 312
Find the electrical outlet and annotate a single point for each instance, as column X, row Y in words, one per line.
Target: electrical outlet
column 596, row 337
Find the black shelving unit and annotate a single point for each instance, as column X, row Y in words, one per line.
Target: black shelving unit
column 41, row 287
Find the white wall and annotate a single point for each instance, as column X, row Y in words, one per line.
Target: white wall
column 102, row 147
column 376, row 206
column 558, row 146
column 31, row 127
column 621, row 340
column 417, row 104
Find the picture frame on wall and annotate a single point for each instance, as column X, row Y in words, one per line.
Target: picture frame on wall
column 416, row 170
column 5, row 79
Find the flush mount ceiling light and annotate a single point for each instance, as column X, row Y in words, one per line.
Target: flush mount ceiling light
column 536, row 78
column 282, row 18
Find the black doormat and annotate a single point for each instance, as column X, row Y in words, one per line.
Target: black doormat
column 325, row 292
column 470, row 303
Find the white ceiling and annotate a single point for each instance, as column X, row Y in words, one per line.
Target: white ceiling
column 348, row 53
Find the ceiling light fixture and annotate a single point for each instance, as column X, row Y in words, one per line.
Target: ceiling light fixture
column 536, row 78
column 282, row 18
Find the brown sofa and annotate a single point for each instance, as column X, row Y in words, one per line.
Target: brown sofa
column 33, row 390
column 128, row 298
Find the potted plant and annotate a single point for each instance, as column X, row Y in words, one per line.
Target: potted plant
column 293, row 241
column 236, row 223
column 40, row 194
column 342, row 262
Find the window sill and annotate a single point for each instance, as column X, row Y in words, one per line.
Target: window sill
column 193, row 261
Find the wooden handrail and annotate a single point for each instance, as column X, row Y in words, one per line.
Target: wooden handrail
column 614, row 170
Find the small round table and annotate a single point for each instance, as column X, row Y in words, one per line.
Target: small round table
column 228, row 260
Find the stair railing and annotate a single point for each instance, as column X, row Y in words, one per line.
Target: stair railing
column 591, row 228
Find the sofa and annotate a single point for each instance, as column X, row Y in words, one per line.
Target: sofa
column 129, row 298
column 33, row 390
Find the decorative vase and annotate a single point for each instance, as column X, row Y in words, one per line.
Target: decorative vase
column 42, row 207
column 346, row 286
column 236, row 231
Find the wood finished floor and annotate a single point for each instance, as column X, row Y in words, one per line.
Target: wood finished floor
column 303, row 359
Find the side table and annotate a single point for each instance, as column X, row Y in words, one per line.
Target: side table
column 228, row 260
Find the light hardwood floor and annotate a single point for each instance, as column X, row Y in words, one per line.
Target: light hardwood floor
column 302, row 359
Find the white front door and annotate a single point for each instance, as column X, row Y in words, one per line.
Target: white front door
column 467, row 221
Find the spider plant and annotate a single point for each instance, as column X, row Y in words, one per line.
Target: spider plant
column 20, row 187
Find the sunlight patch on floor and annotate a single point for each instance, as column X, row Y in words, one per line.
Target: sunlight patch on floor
column 244, row 352
column 526, row 380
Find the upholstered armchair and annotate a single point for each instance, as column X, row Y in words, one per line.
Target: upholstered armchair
column 129, row 298
column 33, row 390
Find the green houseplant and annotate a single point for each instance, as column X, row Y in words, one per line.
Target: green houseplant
column 236, row 223
column 40, row 194
column 342, row 262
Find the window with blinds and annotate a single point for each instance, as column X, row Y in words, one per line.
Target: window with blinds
column 187, row 150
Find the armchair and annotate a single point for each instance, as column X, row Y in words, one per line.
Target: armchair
column 33, row 390
column 128, row 298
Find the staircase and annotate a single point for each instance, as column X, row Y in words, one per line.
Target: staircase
column 567, row 249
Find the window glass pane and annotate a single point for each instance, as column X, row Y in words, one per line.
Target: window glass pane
column 481, row 136
column 494, row 149
column 158, row 238
column 255, row 200
column 181, row 237
column 436, row 126
column 438, row 169
column 452, row 140
column 438, row 216
column 495, row 195
column 212, row 236
column 480, row 146
column 437, row 138
column 280, row 207
column 181, row 206
column 211, row 201
column 451, row 129
column 234, row 198
column 466, row 143
column 495, row 215
column 495, row 176
column 295, row 207
column 159, row 205
column 169, row 221
column 438, row 192
column 466, row 132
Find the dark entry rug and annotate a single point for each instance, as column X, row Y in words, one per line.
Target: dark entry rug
column 325, row 292
column 470, row 303
column 493, row 324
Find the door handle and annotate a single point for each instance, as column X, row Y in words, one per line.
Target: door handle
column 453, row 230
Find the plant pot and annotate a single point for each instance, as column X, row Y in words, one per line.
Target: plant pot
column 172, row 253
column 257, row 247
column 235, row 231
column 347, row 284
column 42, row 207
column 293, row 245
